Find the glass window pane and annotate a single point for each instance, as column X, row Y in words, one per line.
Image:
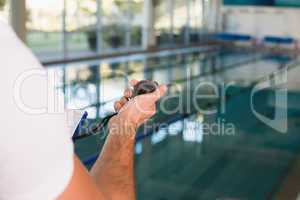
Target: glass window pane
column 4, row 9
column 180, row 20
column 196, row 20
column 136, row 17
column 162, row 23
column 196, row 14
column 44, row 25
column 114, row 23
column 161, row 76
column 207, row 9
column 81, row 20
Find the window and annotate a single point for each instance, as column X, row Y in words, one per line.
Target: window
column 44, row 27
column 81, row 27
column 4, row 9
column 60, row 29
column 196, row 20
column 114, row 21
column 180, row 21
column 162, row 23
column 136, row 17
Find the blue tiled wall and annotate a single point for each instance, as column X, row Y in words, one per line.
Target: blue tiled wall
column 249, row 2
column 287, row 3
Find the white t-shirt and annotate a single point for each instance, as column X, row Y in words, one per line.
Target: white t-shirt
column 36, row 151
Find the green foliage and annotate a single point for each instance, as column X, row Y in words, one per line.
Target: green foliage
column 2, row 4
column 136, row 35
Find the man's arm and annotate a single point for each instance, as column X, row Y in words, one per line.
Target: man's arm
column 113, row 173
column 81, row 186
column 114, row 170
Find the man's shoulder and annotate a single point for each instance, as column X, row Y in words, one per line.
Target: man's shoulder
column 4, row 26
column 15, row 53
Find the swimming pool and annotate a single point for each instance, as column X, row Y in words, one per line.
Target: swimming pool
column 189, row 153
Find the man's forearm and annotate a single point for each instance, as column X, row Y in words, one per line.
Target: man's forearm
column 114, row 171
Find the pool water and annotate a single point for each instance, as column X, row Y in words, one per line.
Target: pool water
column 210, row 144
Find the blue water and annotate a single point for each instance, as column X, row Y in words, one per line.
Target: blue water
column 229, row 154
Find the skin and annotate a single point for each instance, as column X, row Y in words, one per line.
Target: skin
column 112, row 176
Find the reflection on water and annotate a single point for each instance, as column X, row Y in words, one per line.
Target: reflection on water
column 227, row 154
column 94, row 86
column 193, row 131
column 159, row 136
column 175, row 128
column 138, row 148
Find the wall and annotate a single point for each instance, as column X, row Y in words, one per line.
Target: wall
column 249, row 2
column 286, row 3
column 261, row 21
column 212, row 10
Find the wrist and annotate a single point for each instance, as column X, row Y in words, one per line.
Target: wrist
column 122, row 123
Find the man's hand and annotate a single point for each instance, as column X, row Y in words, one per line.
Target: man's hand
column 139, row 109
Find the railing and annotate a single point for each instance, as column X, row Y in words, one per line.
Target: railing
column 51, row 46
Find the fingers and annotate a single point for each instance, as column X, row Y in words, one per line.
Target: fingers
column 150, row 98
column 128, row 93
column 133, row 82
column 119, row 104
column 123, row 100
